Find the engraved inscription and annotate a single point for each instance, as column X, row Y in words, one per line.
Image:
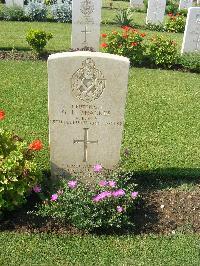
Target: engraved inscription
column 87, row 7
column 88, row 83
column 85, row 31
column 85, row 142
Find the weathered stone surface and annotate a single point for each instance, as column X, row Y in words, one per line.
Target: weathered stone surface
column 191, row 39
column 87, row 95
column 86, row 18
column 155, row 11
column 185, row 4
column 15, row 3
column 137, row 3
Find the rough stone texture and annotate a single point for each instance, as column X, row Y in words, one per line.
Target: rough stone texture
column 191, row 39
column 86, row 18
column 87, row 95
column 155, row 11
column 15, row 3
column 137, row 3
column 185, row 4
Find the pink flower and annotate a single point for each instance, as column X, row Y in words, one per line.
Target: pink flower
column 120, row 209
column 97, row 167
column 54, row 197
column 102, row 196
column 72, row 184
column 118, row 193
column 103, row 183
column 112, row 183
column 37, row 189
column 134, row 194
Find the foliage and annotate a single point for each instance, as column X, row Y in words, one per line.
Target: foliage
column 62, row 12
column 37, row 39
column 13, row 13
column 175, row 23
column 124, row 17
column 162, row 52
column 172, row 7
column 155, row 27
column 108, row 204
column 190, row 61
column 128, row 42
column 18, row 169
column 36, row 11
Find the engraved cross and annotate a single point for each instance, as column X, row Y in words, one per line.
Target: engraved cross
column 86, row 32
column 85, row 141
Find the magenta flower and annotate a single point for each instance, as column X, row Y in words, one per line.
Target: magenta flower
column 134, row 194
column 72, row 184
column 103, row 183
column 112, row 183
column 102, row 196
column 120, row 209
column 118, row 193
column 37, row 189
column 97, row 168
column 54, row 197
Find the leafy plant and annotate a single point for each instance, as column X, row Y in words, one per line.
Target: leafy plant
column 190, row 61
column 124, row 17
column 175, row 23
column 13, row 13
column 36, row 11
column 129, row 42
column 18, row 169
column 37, row 39
column 162, row 52
column 62, row 12
column 108, row 204
column 172, row 7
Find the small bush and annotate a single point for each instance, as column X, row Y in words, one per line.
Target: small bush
column 13, row 13
column 129, row 43
column 172, row 7
column 175, row 23
column 36, row 11
column 109, row 204
column 37, row 39
column 18, row 169
column 162, row 52
column 124, row 17
column 62, row 12
column 155, row 27
column 190, row 61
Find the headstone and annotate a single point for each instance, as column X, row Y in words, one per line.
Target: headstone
column 198, row 2
column 185, row 4
column 86, row 18
column 10, row 3
column 87, row 95
column 191, row 39
column 155, row 11
column 136, row 3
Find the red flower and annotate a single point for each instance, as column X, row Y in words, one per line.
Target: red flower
column 170, row 15
column 143, row 34
column 104, row 45
column 125, row 35
column 36, row 145
column 134, row 44
column 103, row 35
column 2, row 114
column 126, row 28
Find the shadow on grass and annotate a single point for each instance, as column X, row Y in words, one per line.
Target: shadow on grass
column 15, row 48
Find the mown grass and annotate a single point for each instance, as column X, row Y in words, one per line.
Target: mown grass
column 17, row 249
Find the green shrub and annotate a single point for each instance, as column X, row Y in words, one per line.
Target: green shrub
column 18, row 169
column 175, row 23
column 128, row 42
column 162, row 52
column 190, row 61
column 13, row 13
column 172, row 7
column 109, row 204
column 37, row 39
column 124, row 17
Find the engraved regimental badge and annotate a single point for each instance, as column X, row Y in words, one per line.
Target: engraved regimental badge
column 87, row 7
column 88, row 82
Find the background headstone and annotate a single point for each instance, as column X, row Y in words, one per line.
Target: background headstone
column 155, row 11
column 15, row 3
column 87, row 95
column 185, row 4
column 136, row 3
column 191, row 39
column 86, row 19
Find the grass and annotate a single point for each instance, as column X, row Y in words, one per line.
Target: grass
column 17, row 249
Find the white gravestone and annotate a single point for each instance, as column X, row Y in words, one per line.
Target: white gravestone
column 185, row 4
column 86, row 18
column 155, row 11
column 191, row 39
column 10, row 3
column 87, row 95
column 136, row 3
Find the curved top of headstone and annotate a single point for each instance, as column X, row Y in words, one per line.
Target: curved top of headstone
column 89, row 54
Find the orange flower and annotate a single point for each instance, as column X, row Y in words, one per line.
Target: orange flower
column 143, row 34
column 134, row 44
column 2, row 114
column 103, row 35
column 36, row 145
column 125, row 35
column 126, row 28
column 104, row 45
column 114, row 32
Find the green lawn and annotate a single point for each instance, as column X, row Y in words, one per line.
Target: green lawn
column 17, row 249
